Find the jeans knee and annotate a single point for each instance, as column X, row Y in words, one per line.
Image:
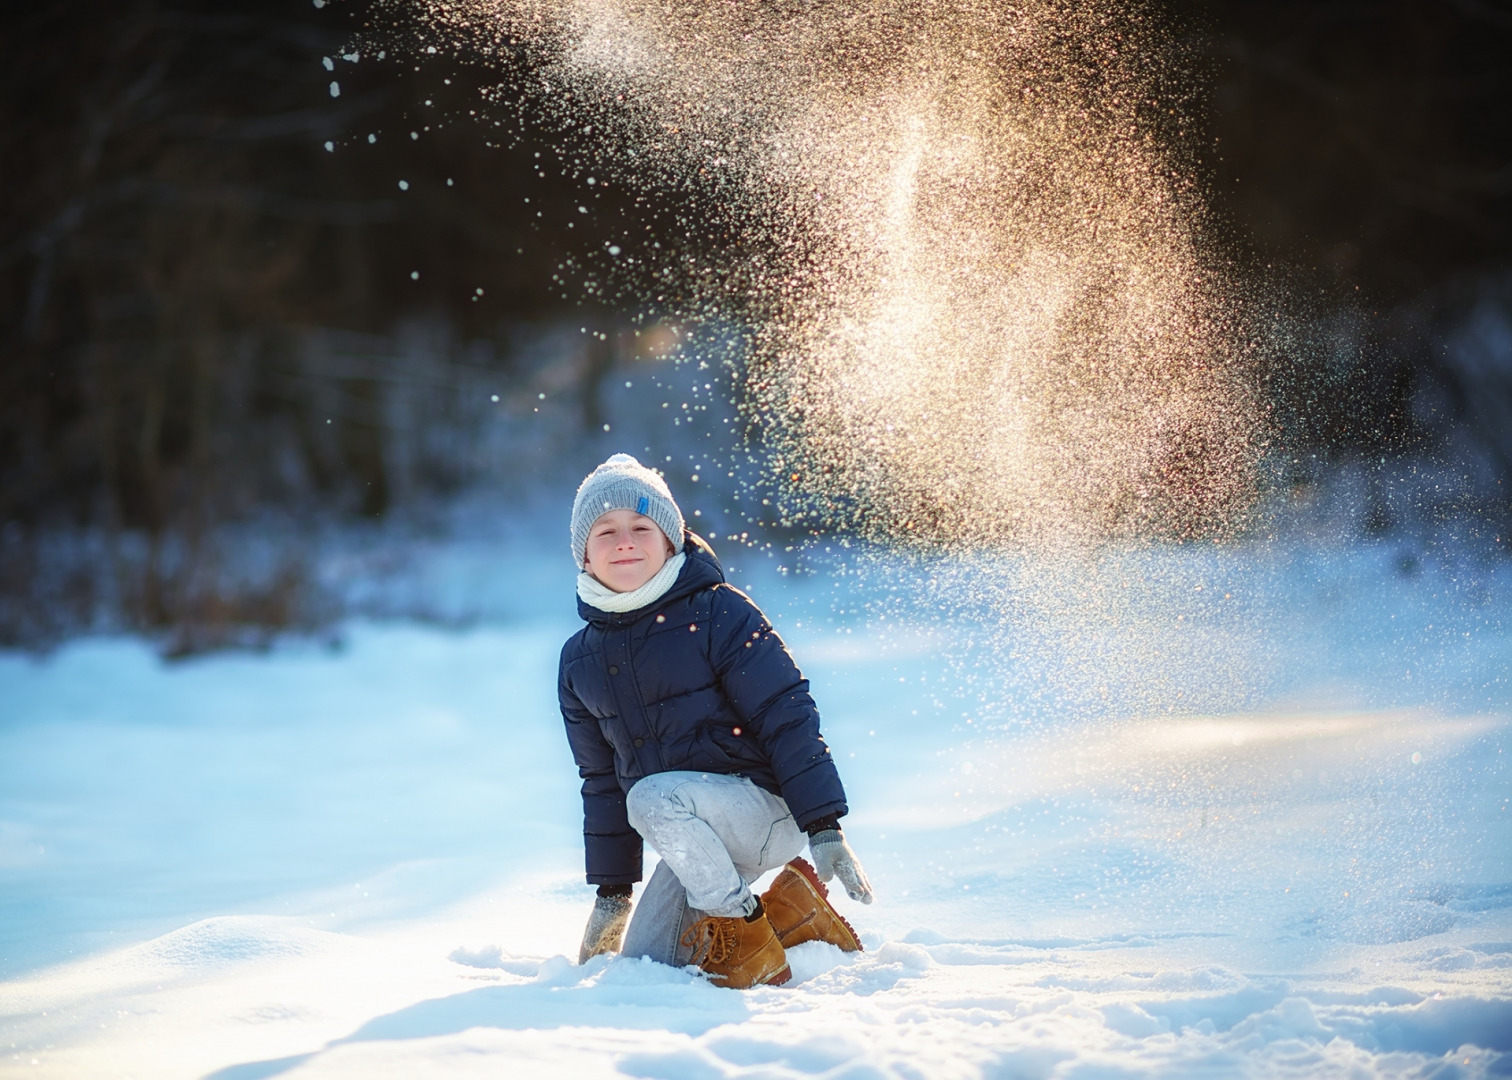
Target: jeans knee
column 651, row 801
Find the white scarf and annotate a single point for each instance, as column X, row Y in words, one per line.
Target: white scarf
column 595, row 593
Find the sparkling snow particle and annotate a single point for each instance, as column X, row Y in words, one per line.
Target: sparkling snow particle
column 329, row 64
column 335, row 88
column 404, row 185
column 495, row 397
column 614, row 249
column 414, row 275
column 372, row 138
column 330, row 147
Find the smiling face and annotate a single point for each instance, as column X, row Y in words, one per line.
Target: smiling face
column 625, row 550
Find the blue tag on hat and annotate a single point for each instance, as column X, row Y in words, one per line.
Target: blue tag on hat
column 642, row 506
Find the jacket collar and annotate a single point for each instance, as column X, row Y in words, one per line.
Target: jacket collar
column 700, row 570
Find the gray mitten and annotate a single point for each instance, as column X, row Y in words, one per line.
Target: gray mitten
column 606, row 927
column 833, row 858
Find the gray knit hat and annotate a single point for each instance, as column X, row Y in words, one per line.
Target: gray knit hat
column 622, row 483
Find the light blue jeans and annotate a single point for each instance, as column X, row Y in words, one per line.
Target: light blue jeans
column 715, row 835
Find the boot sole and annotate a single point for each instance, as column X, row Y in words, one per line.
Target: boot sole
column 802, row 866
column 779, row 979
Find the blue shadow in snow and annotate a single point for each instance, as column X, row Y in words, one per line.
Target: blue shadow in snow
column 687, row 1006
column 1434, row 1028
column 259, row 1070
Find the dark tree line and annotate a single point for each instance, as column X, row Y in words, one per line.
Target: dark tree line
column 1369, row 141
column 174, row 229
column 1367, row 148
column 187, row 203
column 173, row 217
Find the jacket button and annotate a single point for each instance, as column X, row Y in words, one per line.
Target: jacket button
column 613, row 670
column 640, row 742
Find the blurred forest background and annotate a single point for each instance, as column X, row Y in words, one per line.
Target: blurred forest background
column 219, row 337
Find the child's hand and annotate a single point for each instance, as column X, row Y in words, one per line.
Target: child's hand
column 606, row 926
column 833, row 858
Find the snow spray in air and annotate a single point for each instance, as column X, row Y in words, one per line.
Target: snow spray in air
column 984, row 315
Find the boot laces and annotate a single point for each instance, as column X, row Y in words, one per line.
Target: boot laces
column 712, row 939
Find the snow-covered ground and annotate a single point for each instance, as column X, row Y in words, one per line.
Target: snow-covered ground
column 1257, row 828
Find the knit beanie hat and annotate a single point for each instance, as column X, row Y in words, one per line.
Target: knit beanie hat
column 622, row 483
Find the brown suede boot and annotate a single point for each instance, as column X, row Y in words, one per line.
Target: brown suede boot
column 798, row 907
column 738, row 953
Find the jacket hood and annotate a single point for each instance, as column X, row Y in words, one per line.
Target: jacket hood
column 700, row 571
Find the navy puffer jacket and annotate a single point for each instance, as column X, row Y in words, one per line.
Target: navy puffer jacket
column 697, row 680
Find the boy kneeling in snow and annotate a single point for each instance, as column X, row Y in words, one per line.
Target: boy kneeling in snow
column 693, row 730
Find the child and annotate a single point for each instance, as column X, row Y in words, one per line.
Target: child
column 694, row 731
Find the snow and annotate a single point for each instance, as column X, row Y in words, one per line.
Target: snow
column 363, row 859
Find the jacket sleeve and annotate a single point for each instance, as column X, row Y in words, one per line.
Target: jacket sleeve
column 612, row 850
column 771, row 697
